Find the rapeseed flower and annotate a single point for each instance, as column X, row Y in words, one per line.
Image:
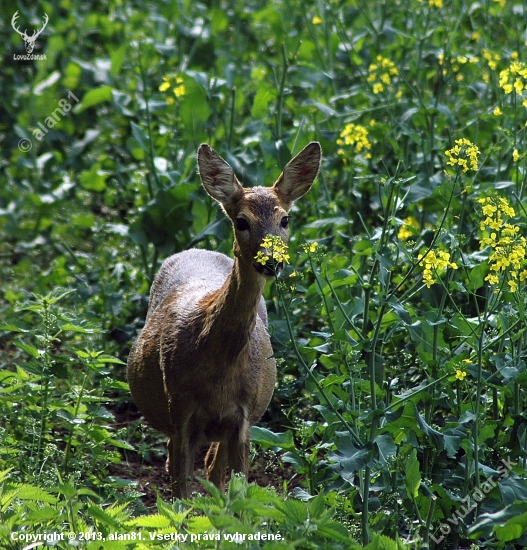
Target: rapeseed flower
column 381, row 73
column 273, row 248
column 356, row 136
column 460, row 374
column 176, row 84
column 464, row 154
column 408, row 229
column 508, row 245
column 514, row 78
column 434, row 263
column 310, row 248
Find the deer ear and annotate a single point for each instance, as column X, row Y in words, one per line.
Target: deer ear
column 299, row 174
column 217, row 176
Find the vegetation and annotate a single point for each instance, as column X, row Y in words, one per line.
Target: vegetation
column 399, row 324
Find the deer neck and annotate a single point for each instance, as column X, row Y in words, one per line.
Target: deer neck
column 229, row 315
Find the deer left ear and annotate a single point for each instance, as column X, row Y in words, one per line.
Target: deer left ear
column 299, row 174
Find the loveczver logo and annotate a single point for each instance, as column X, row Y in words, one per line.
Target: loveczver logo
column 29, row 40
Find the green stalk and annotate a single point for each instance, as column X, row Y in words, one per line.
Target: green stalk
column 280, row 103
column 231, row 124
column 70, row 437
column 479, row 385
column 45, row 375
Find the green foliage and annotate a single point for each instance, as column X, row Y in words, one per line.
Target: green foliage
column 400, row 327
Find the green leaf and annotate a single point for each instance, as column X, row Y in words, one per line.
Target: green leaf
column 194, row 110
column 153, row 520
column 508, row 517
column 294, row 510
column 94, row 97
column 349, row 459
column 266, row 438
column 94, row 179
column 435, row 436
column 412, row 478
column 30, row 492
column 102, row 517
column 263, row 97
column 140, row 136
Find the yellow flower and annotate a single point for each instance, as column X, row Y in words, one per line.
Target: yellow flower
column 436, row 3
column 508, row 245
column 357, row 136
column 176, row 84
column 492, row 59
column 514, row 78
column 409, row 228
column 464, row 154
column 310, row 247
column 273, row 248
column 381, row 73
column 497, row 112
column 515, row 155
column 460, row 374
column 316, row 20
column 434, row 264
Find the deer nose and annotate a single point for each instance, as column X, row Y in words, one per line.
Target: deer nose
column 271, row 268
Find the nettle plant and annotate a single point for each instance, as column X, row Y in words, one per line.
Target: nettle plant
column 414, row 365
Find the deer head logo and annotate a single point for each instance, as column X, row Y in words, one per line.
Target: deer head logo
column 29, row 40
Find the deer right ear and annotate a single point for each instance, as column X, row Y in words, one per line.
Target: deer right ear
column 299, row 174
column 217, row 176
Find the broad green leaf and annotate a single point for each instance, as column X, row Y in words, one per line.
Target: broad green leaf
column 267, row 438
column 412, row 478
column 94, row 97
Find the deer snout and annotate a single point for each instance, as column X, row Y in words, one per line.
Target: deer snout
column 270, row 269
column 271, row 256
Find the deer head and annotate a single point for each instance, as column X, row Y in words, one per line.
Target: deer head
column 29, row 40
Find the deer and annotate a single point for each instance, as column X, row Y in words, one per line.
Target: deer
column 29, row 40
column 202, row 370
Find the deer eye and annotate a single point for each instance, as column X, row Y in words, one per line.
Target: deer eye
column 241, row 224
column 285, row 222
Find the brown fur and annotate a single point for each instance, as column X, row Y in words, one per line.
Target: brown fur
column 202, row 370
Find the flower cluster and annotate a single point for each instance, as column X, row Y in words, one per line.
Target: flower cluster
column 408, row 229
column 456, row 63
column 356, row 136
column 381, row 73
column 464, row 154
column 176, row 84
column 491, row 58
column 460, row 374
column 514, row 78
column 434, row 263
column 310, row 248
column 507, row 244
column 273, row 247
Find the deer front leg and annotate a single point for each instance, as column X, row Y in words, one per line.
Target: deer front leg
column 238, row 451
column 180, row 465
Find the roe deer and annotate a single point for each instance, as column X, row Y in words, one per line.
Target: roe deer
column 202, row 370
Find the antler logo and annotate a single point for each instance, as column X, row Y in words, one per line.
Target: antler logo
column 29, row 40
